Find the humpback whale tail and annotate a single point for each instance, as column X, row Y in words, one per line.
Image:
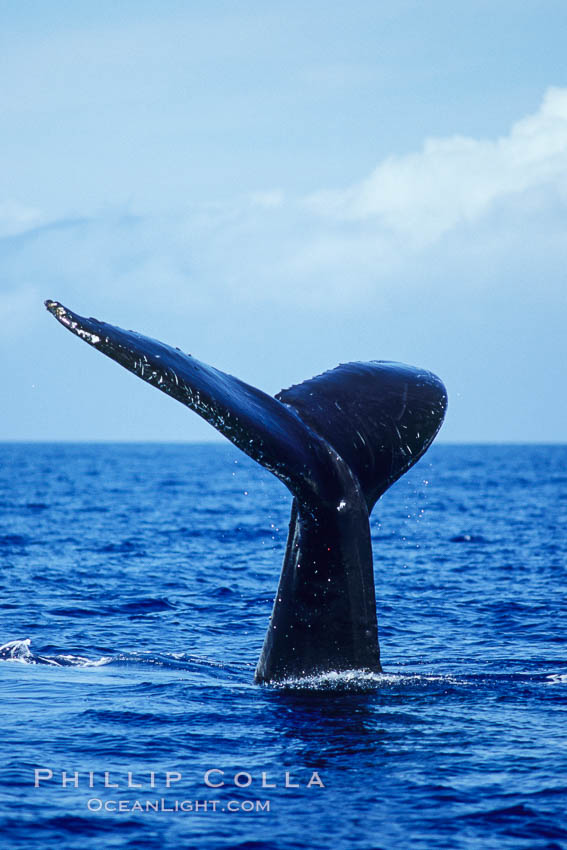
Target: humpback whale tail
column 337, row 441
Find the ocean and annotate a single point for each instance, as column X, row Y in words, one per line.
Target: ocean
column 136, row 586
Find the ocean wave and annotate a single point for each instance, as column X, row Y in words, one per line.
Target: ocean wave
column 19, row 651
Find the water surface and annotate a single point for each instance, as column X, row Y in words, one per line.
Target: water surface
column 137, row 582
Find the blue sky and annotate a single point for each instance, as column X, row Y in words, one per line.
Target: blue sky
column 280, row 187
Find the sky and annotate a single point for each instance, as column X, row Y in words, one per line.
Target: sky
column 280, row 187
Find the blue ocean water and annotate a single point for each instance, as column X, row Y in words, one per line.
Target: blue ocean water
column 136, row 587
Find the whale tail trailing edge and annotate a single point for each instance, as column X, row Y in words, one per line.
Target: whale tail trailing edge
column 337, row 441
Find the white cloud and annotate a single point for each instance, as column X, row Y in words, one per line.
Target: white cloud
column 456, row 180
column 454, row 217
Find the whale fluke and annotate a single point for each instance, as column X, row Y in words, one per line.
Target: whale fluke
column 337, row 441
column 379, row 416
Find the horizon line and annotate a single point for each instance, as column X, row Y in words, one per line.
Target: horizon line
column 217, row 442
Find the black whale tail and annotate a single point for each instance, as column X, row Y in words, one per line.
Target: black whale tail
column 380, row 417
column 337, row 441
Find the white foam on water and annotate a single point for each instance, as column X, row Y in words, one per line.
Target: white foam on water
column 362, row 680
column 17, row 650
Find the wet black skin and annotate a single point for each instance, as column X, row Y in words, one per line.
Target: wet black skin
column 337, row 442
